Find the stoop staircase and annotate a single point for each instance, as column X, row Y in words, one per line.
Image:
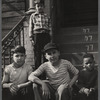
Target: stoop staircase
column 13, row 38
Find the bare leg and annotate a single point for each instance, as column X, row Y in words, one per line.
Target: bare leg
column 36, row 92
column 65, row 95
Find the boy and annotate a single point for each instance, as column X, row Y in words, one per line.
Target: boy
column 58, row 84
column 15, row 80
column 88, row 79
column 39, row 27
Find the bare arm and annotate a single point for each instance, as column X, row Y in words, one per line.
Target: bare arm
column 5, row 81
column 24, row 84
column 73, row 80
column 45, row 89
column 35, row 79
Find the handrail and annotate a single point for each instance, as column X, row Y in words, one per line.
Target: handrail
column 13, row 38
column 13, row 29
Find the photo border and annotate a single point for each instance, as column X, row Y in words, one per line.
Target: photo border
column 98, row 49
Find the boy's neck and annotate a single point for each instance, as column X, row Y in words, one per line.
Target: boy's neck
column 17, row 66
column 56, row 63
column 40, row 12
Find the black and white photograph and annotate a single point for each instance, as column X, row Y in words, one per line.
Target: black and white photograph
column 49, row 49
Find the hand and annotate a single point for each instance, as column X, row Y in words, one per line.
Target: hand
column 32, row 42
column 46, row 92
column 92, row 89
column 13, row 89
column 23, row 91
column 31, row 37
column 87, row 91
column 81, row 90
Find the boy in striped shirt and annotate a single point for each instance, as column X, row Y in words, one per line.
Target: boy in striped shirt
column 58, row 84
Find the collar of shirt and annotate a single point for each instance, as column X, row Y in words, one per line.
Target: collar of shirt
column 37, row 13
column 17, row 67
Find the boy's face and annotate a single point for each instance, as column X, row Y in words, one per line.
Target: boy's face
column 52, row 55
column 88, row 63
column 19, row 59
column 39, row 8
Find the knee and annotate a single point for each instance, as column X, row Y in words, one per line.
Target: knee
column 35, row 86
column 66, row 92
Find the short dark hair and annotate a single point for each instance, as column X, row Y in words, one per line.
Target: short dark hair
column 19, row 49
column 88, row 55
column 40, row 2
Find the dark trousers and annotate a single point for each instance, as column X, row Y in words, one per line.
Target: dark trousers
column 40, row 40
column 7, row 95
column 54, row 94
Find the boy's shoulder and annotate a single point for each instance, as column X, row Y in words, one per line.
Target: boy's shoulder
column 8, row 67
column 36, row 14
column 45, row 63
column 27, row 66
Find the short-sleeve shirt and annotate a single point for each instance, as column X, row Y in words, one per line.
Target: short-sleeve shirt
column 18, row 75
column 61, row 76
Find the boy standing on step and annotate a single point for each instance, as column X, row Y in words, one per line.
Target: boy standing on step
column 15, row 79
column 39, row 28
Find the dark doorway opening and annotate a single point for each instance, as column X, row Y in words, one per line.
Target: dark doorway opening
column 78, row 12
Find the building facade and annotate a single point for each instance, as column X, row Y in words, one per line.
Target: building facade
column 74, row 26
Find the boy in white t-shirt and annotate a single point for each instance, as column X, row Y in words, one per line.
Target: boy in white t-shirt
column 15, row 79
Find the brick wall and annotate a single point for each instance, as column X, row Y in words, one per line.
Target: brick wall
column 28, row 45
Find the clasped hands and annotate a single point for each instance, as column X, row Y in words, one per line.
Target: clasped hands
column 86, row 91
column 15, row 88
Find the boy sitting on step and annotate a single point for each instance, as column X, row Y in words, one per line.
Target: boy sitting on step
column 15, row 79
column 58, row 86
column 88, row 79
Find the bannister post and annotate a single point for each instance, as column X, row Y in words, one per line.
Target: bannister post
column 31, row 4
column 31, row 7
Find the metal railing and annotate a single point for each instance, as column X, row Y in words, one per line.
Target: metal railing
column 13, row 38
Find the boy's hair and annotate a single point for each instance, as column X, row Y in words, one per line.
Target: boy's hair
column 88, row 55
column 40, row 2
column 19, row 49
